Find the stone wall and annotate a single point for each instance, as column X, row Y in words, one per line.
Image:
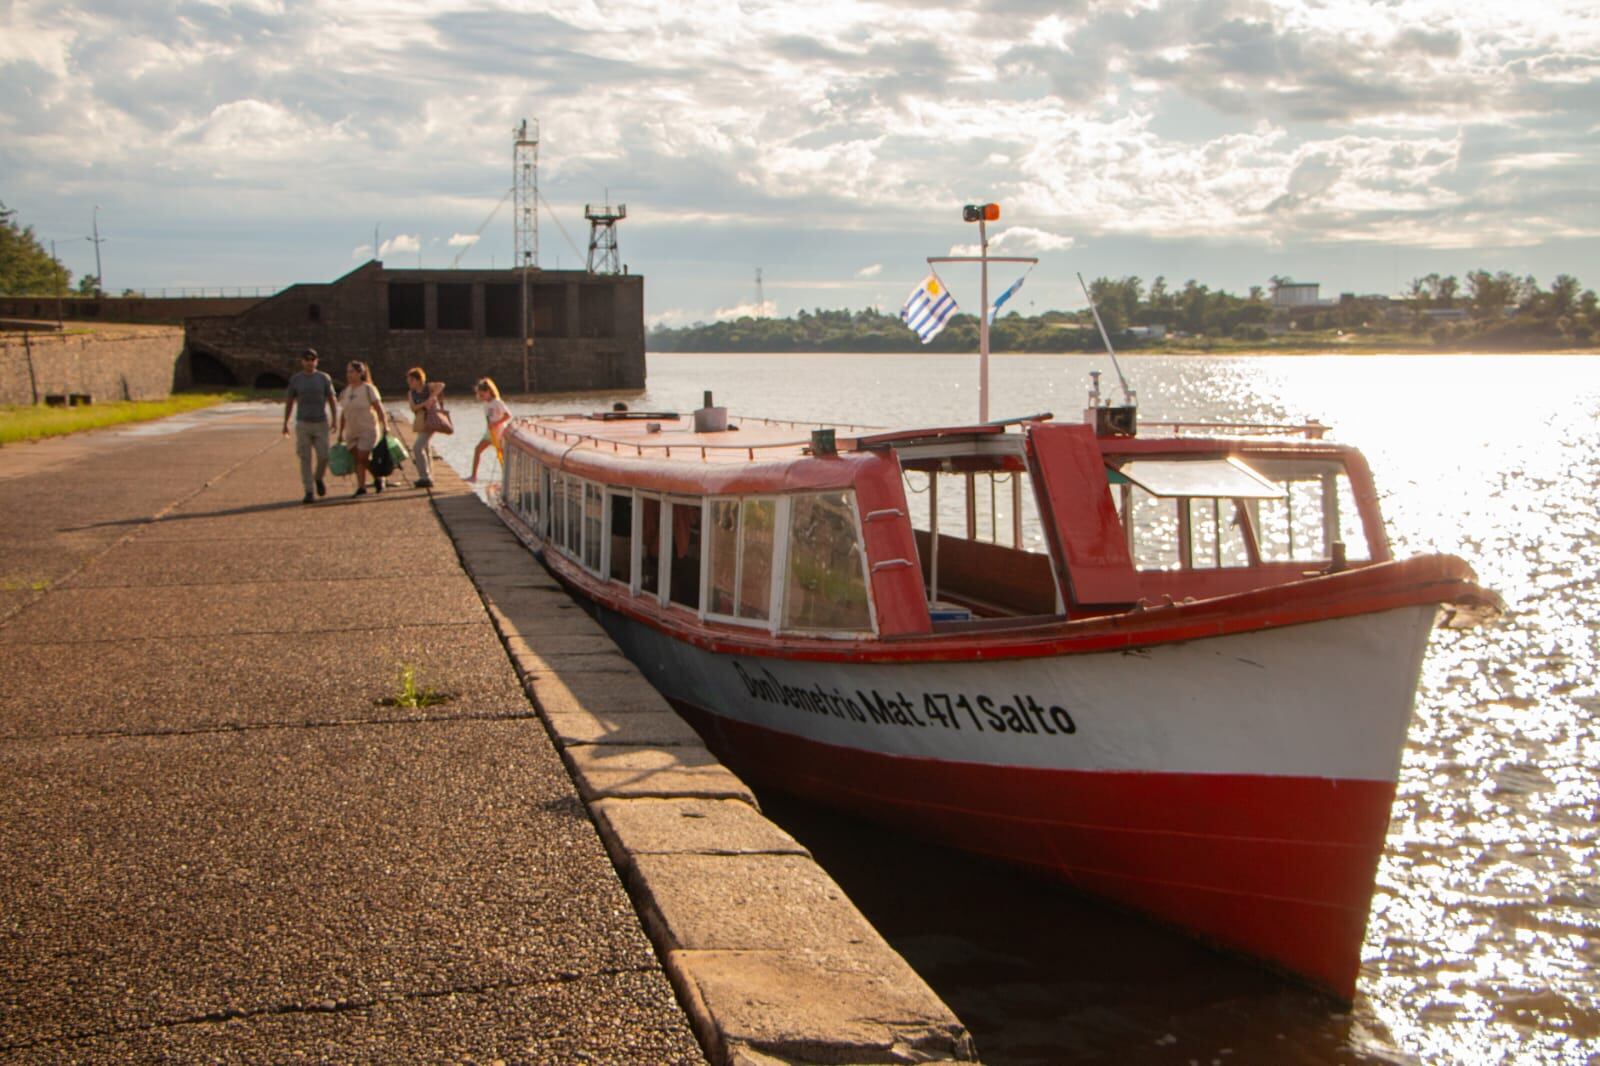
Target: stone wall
column 143, row 364
column 153, row 310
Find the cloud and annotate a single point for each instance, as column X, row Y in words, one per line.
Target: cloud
column 819, row 137
column 462, row 240
column 870, row 271
column 400, row 244
column 751, row 309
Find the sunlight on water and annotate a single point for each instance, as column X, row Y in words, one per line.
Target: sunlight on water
column 1484, row 937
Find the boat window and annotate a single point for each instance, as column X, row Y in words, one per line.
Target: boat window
column 739, row 579
column 1225, row 478
column 1152, row 530
column 683, row 584
column 826, row 586
column 574, row 508
column 1217, row 534
column 558, row 509
column 593, row 527
column 621, row 564
column 536, row 473
column 542, row 525
column 650, row 545
column 724, row 558
column 757, row 529
column 1318, row 507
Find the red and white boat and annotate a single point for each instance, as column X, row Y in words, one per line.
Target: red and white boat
column 1172, row 670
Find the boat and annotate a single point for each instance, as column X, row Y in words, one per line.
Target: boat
column 1171, row 665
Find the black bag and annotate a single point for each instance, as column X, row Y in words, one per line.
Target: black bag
column 381, row 461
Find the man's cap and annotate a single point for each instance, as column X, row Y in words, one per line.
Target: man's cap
column 309, row 353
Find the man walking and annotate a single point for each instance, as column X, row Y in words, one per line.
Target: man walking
column 309, row 390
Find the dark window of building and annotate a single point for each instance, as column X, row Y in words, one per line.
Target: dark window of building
column 597, row 314
column 502, row 311
column 314, row 312
column 549, row 310
column 405, row 305
column 455, row 306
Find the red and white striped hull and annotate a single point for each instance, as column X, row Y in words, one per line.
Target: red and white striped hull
column 1236, row 786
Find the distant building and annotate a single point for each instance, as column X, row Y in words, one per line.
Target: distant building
column 587, row 330
column 1296, row 294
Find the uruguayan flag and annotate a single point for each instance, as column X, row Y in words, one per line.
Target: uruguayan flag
column 928, row 308
column 1012, row 291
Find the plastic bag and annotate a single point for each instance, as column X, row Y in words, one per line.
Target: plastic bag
column 340, row 461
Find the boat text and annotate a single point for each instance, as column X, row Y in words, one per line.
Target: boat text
column 1014, row 713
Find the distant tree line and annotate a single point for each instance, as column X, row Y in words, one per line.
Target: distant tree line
column 1491, row 311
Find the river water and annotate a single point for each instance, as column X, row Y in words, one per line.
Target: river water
column 1483, row 944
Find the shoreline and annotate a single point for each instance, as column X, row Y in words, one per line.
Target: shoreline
column 1138, row 352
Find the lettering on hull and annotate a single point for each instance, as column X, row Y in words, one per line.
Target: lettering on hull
column 1018, row 713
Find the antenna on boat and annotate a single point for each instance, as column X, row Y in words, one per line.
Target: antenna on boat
column 982, row 214
column 1127, row 393
column 1110, row 421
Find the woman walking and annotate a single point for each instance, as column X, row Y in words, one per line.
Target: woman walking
column 424, row 396
column 496, row 416
column 361, row 416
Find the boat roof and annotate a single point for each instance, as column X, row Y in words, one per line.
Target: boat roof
column 669, row 435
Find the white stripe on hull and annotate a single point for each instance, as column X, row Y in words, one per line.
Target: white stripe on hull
column 1322, row 699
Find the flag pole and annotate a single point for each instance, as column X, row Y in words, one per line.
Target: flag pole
column 983, row 322
column 982, row 214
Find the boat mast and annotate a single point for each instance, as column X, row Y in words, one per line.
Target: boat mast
column 982, row 214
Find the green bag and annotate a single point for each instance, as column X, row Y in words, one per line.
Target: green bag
column 340, row 462
column 397, row 449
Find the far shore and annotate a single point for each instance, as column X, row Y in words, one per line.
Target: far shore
column 1136, row 353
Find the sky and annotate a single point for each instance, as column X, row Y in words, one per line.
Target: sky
column 828, row 145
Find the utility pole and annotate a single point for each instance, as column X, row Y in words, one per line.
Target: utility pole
column 99, row 278
column 59, row 324
column 761, row 298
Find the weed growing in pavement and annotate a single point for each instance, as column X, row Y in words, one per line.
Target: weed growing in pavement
column 411, row 696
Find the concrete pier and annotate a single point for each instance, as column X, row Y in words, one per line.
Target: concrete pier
column 228, row 837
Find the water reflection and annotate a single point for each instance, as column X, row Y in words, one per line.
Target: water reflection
column 1485, row 931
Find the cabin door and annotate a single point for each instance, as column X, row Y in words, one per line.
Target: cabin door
column 1080, row 519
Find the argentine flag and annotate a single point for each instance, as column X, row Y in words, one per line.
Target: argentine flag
column 928, row 308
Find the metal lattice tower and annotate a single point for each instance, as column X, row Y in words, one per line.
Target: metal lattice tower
column 603, row 236
column 525, row 175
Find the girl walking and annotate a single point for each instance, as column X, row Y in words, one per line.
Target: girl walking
column 496, row 417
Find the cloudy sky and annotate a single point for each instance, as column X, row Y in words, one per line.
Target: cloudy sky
column 828, row 144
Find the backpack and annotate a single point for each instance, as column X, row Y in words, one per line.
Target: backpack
column 381, row 461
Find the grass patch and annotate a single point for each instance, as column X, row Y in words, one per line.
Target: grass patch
column 36, row 421
column 412, row 696
column 24, row 584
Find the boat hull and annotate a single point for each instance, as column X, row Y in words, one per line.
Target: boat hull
column 1237, row 787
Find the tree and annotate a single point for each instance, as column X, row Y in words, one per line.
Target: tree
column 88, row 285
column 1563, row 294
column 25, row 267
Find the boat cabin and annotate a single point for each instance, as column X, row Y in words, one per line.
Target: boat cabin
column 782, row 530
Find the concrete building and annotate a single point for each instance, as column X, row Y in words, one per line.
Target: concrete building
column 587, row 330
column 1291, row 294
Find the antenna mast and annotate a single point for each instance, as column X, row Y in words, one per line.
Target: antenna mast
column 603, row 221
column 525, row 175
column 761, row 297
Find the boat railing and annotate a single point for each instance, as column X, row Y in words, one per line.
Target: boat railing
column 666, row 449
column 1311, row 430
column 573, row 438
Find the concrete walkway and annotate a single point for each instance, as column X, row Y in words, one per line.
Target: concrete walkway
column 225, row 841
column 220, row 842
